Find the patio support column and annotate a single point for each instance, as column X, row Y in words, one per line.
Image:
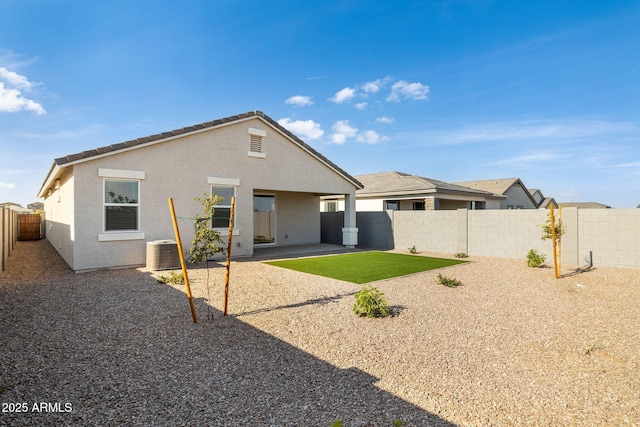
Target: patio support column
column 350, row 232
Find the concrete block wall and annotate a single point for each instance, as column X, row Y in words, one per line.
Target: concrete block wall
column 507, row 233
column 612, row 236
column 434, row 231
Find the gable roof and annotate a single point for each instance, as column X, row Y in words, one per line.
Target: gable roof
column 88, row 155
column 399, row 183
column 544, row 204
column 498, row 186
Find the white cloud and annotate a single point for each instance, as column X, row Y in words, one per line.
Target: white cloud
column 299, row 101
column 15, row 79
column 12, row 98
column 342, row 131
column 361, row 105
column 556, row 130
column 629, row 165
column 405, row 90
column 370, row 137
column 344, row 95
column 384, row 119
column 306, row 129
column 7, row 185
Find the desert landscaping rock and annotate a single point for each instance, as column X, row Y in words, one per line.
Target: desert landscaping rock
column 511, row 346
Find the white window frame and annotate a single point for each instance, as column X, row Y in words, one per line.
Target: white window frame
column 120, row 175
column 226, row 183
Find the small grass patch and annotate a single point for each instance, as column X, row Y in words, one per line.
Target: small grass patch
column 365, row 267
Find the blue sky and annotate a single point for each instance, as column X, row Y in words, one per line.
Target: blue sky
column 547, row 91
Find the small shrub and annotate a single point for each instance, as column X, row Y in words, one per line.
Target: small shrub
column 337, row 423
column 461, row 255
column 370, row 302
column 413, row 250
column 172, row 277
column 448, row 281
column 534, row 259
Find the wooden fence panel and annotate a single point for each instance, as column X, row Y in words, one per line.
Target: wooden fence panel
column 29, row 227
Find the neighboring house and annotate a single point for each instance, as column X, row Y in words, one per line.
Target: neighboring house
column 517, row 195
column 103, row 205
column 402, row 191
column 584, row 205
column 543, row 202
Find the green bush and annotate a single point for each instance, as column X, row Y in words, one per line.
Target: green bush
column 448, row 281
column 370, row 302
column 461, row 255
column 534, row 259
column 413, row 250
column 171, row 277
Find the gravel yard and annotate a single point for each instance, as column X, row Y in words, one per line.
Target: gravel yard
column 512, row 346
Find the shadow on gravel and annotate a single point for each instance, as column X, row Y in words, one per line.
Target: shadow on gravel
column 117, row 348
column 314, row 301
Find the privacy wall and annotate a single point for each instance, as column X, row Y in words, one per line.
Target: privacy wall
column 609, row 237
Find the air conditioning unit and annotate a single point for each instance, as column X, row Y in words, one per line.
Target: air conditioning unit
column 162, row 255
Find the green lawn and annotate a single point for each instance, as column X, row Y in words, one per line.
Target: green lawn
column 364, row 267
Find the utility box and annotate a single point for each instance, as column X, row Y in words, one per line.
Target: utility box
column 163, row 255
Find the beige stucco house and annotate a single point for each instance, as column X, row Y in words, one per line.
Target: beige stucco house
column 517, row 196
column 103, row 205
column 402, row 191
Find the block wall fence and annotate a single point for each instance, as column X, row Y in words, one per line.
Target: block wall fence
column 609, row 237
column 8, row 234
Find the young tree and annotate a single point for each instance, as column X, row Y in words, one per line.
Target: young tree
column 205, row 243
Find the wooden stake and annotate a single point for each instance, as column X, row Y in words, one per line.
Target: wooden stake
column 185, row 276
column 229, row 246
column 560, row 240
column 553, row 240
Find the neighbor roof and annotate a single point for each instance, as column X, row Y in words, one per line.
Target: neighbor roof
column 399, row 183
column 497, row 186
column 140, row 142
column 584, row 205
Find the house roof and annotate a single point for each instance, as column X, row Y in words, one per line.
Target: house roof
column 584, row 205
column 399, row 183
column 546, row 202
column 88, row 155
column 497, row 186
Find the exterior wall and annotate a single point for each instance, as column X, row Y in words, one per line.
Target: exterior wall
column 517, row 196
column 369, row 205
column 181, row 168
column 298, row 218
column 612, row 236
column 59, row 208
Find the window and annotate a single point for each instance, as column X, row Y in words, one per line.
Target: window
column 222, row 214
column 121, row 204
column 418, row 206
column 331, row 206
column 392, row 205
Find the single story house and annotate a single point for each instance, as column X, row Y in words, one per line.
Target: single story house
column 402, row 191
column 103, row 205
column 517, row 196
